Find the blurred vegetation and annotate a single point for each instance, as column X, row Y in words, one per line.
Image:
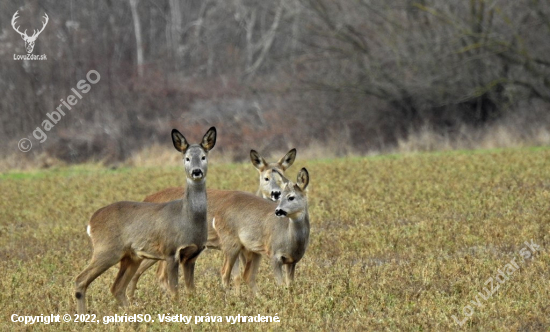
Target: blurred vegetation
column 278, row 74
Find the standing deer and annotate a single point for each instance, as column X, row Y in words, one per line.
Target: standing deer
column 258, row 227
column 175, row 232
column 29, row 40
column 269, row 188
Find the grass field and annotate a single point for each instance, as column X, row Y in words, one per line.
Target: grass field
column 399, row 242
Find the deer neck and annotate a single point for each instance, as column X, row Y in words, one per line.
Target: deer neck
column 194, row 201
column 299, row 220
column 298, row 228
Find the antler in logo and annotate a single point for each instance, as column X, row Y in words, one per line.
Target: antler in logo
column 29, row 40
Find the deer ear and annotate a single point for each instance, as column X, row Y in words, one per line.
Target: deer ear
column 288, row 159
column 303, row 179
column 209, row 139
column 180, row 143
column 257, row 160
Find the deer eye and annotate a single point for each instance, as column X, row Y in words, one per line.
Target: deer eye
column 203, row 158
column 290, row 198
column 187, row 159
column 266, row 179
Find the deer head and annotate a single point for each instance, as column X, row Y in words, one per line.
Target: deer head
column 29, row 40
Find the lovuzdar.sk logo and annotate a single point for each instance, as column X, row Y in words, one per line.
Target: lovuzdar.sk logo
column 29, row 40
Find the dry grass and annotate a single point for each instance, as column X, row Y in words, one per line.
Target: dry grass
column 397, row 243
column 504, row 134
column 501, row 135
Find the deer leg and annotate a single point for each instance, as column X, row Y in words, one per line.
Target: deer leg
column 144, row 266
column 171, row 276
column 101, row 262
column 238, row 275
column 236, row 271
column 290, row 268
column 230, row 256
column 128, row 268
column 162, row 276
column 188, row 257
column 250, row 271
column 189, row 276
column 277, row 264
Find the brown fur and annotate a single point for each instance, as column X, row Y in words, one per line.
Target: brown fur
column 249, row 225
column 213, row 209
column 128, row 232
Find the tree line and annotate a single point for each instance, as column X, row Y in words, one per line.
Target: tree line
column 274, row 74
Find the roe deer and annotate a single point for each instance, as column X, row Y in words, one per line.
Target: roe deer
column 176, row 232
column 255, row 226
column 269, row 188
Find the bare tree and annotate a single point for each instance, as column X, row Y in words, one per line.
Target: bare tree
column 137, row 33
column 427, row 59
column 371, row 71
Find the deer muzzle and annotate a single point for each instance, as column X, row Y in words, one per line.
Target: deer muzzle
column 275, row 195
column 197, row 174
column 280, row 212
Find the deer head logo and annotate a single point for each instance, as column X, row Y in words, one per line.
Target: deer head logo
column 29, row 40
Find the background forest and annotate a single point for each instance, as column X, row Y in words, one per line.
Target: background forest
column 330, row 77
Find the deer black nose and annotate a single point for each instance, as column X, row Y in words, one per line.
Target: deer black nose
column 280, row 213
column 196, row 173
column 275, row 195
